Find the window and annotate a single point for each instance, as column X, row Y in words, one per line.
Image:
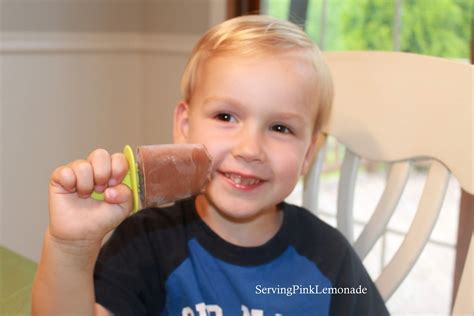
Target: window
column 437, row 28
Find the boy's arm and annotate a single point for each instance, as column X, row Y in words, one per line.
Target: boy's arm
column 77, row 224
column 63, row 283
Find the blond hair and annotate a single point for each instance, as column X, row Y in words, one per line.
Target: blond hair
column 257, row 34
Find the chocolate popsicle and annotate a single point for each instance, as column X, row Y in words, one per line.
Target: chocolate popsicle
column 169, row 173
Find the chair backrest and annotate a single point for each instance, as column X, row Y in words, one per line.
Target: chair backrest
column 398, row 107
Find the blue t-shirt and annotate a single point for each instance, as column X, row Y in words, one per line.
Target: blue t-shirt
column 167, row 261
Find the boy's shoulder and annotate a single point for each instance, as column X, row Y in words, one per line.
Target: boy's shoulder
column 318, row 241
column 334, row 256
column 308, row 225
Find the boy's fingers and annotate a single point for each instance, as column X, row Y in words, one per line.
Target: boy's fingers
column 84, row 177
column 64, row 176
column 120, row 194
column 119, row 169
column 101, row 166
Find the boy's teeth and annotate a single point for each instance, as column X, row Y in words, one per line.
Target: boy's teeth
column 239, row 180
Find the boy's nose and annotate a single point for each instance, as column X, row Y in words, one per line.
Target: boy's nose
column 249, row 147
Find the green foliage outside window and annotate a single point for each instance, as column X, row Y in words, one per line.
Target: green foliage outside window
column 430, row 27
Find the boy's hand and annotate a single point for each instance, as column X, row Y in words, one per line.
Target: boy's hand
column 74, row 216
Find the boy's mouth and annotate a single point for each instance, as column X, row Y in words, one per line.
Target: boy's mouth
column 242, row 181
column 238, row 179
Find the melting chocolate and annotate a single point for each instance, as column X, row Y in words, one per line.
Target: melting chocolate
column 172, row 172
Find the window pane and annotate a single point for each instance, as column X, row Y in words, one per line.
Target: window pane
column 430, row 27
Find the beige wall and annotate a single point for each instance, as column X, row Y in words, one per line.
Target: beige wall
column 77, row 75
column 169, row 16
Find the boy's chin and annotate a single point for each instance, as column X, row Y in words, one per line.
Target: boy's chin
column 240, row 211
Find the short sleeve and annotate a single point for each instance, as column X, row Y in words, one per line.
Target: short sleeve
column 126, row 279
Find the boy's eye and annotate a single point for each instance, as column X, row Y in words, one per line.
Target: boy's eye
column 281, row 129
column 225, row 117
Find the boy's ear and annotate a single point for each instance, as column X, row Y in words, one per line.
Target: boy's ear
column 181, row 123
column 316, row 142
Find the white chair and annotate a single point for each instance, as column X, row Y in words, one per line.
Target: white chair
column 397, row 107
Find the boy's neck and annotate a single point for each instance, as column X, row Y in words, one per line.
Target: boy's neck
column 252, row 233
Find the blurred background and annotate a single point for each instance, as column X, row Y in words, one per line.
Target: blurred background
column 81, row 74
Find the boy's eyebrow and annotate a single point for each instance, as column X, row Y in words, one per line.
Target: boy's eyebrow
column 220, row 99
column 291, row 116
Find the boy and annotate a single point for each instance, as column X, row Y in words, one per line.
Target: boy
column 256, row 93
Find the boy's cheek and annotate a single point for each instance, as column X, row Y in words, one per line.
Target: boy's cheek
column 208, row 137
column 216, row 150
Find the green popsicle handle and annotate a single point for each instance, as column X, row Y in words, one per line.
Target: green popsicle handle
column 131, row 179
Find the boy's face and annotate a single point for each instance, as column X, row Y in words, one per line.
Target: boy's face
column 256, row 119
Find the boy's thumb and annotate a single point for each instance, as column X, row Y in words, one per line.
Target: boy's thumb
column 119, row 194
